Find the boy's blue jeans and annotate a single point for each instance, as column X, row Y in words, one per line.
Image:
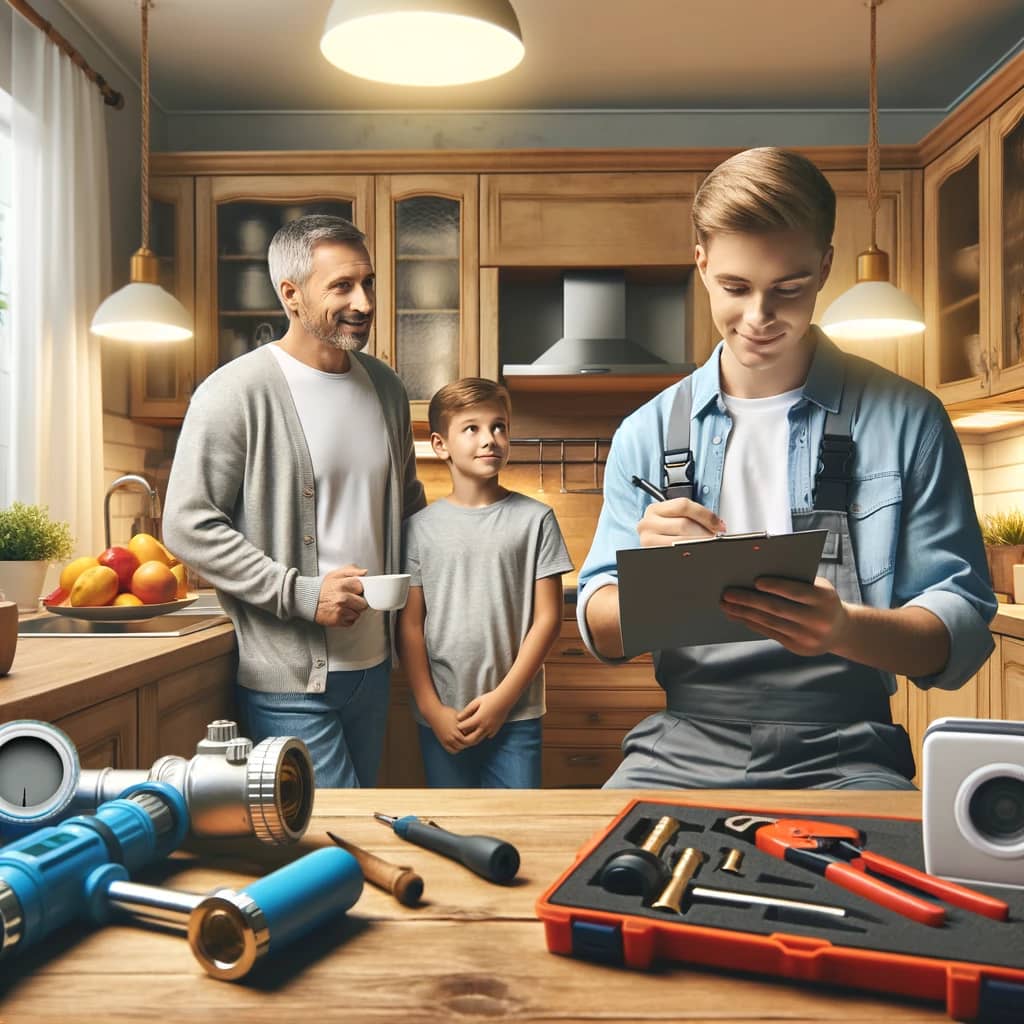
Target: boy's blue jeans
column 508, row 760
column 343, row 726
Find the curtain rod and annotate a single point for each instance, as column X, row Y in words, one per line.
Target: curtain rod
column 111, row 97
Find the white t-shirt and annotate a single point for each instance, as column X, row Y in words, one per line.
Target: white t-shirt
column 755, row 479
column 344, row 426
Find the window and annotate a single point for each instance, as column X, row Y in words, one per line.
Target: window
column 6, row 161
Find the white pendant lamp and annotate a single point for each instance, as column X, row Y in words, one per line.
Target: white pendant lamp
column 142, row 310
column 423, row 42
column 873, row 308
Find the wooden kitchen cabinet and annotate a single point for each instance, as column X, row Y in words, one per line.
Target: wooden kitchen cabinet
column 105, row 734
column 237, row 308
column 1007, row 680
column 427, row 323
column 621, row 219
column 974, row 260
column 163, row 375
column 591, row 707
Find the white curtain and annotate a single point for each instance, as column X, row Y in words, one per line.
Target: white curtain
column 60, row 272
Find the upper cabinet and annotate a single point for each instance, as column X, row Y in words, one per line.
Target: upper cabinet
column 237, row 308
column 956, row 251
column 427, row 281
column 163, row 374
column 974, row 261
column 1006, row 173
column 627, row 219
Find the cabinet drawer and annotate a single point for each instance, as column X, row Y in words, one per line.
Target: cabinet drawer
column 621, row 719
column 595, row 676
column 570, row 650
column 565, row 767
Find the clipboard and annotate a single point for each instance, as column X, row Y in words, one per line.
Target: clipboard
column 669, row 596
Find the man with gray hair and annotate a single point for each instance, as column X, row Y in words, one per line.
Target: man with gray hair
column 293, row 472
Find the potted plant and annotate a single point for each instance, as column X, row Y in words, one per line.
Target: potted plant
column 29, row 541
column 1003, row 534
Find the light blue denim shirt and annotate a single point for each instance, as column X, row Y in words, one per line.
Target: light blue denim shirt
column 912, row 520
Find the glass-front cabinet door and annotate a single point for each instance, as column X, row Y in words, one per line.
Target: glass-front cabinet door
column 958, row 355
column 162, row 374
column 427, row 281
column 1007, row 263
column 237, row 305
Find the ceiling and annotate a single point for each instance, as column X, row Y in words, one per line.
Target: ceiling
column 596, row 54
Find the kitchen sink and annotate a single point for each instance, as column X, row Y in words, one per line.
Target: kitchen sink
column 177, row 624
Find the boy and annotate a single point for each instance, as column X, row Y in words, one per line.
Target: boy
column 485, row 603
column 902, row 587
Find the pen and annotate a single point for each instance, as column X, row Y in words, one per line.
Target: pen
column 648, row 488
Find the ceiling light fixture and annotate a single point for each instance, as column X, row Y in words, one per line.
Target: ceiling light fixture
column 142, row 310
column 423, row 42
column 873, row 308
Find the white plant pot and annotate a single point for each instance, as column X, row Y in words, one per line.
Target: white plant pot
column 22, row 582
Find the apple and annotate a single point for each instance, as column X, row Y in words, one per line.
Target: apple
column 58, row 596
column 123, row 562
column 154, row 583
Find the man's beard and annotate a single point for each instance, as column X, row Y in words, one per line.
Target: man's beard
column 339, row 336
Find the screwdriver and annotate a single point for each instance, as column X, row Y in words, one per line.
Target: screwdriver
column 491, row 858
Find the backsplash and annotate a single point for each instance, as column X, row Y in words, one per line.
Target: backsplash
column 996, row 467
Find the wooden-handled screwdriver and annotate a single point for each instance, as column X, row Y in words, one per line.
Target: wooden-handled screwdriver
column 402, row 882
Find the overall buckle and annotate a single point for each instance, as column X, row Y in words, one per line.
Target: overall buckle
column 677, row 473
column 835, row 467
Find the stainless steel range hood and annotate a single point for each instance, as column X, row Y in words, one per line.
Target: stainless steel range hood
column 594, row 338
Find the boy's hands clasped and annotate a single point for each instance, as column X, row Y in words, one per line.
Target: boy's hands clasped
column 479, row 720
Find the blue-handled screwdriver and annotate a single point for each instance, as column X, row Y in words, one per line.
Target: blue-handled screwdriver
column 491, row 858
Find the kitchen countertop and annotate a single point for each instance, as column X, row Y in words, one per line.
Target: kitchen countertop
column 52, row 677
column 1009, row 621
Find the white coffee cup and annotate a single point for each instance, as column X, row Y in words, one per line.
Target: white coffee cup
column 386, row 593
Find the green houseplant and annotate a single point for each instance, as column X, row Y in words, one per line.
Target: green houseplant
column 29, row 541
column 1003, row 534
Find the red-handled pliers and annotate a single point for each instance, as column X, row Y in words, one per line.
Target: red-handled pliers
column 837, row 852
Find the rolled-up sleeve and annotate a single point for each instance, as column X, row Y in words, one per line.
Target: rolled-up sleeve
column 941, row 560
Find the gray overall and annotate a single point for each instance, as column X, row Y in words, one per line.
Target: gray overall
column 754, row 714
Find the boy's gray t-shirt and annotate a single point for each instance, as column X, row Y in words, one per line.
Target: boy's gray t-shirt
column 477, row 568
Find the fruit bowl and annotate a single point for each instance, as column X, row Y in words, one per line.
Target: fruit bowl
column 121, row 613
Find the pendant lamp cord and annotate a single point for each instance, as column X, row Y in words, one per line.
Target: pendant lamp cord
column 873, row 156
column 145, row 4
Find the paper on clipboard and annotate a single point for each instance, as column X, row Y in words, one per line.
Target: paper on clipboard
column 669, row 596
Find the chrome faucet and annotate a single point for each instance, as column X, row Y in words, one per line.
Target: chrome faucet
column 144, row 524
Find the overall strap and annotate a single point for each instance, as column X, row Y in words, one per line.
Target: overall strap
column 833, row 475
column 676, row 457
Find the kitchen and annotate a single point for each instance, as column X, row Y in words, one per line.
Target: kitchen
column 529, row 183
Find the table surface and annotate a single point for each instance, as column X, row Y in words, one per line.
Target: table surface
column 472, row 951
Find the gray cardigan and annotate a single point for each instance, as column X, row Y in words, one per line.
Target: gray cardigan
column 241, row 510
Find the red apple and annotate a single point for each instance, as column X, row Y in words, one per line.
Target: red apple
column 123, row 562
column 58, row 596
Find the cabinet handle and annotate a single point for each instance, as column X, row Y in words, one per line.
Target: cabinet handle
column 573, row 652
column 594, row 716
column 584, row 759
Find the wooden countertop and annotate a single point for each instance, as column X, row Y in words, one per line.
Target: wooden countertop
column 472, row 952
column 1009, row 621
column 52, row 677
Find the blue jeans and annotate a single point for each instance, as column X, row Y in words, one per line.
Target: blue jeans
column 508, row 760
column 343, row 726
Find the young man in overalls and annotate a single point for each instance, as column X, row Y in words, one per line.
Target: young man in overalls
column 781, row 431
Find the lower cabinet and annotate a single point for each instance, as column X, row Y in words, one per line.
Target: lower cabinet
column 105, row 735
column 1007, row 684
column 166, row 716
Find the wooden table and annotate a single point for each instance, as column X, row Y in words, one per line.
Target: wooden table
column 472, row 952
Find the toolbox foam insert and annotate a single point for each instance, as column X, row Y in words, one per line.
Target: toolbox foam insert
column 965, row 936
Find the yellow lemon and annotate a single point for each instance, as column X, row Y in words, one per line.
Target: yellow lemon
column 96, row 586
column 180, row 574
column 126, row 599
column 74, row 569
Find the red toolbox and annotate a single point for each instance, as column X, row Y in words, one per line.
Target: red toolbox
column 836, row 929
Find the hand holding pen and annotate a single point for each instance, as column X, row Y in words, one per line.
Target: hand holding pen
column 669, row 520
